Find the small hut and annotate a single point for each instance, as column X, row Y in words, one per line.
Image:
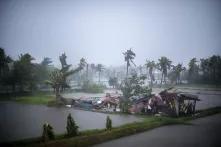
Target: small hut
column 187, row 103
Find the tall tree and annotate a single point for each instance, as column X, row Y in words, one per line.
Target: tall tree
column 177, row 72
column 129, row 55
column 214, row 64
column 4, row 60
column 193, row 70
column 24, row 71
column 113, row 81
column 163, row 65
column 58, row 78
column 150, row 65
column 99, row 68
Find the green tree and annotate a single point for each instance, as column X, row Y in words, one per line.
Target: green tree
column 99, row 68
column 72, row 128
column 150, row 65
column 58, row 78
column 24, row 72
column 42, row 70
column 205, row 68
column 108, row 123
column 193, row 70
column 177, row 72
column 134, row 85
column 113, row 81
column 129, row 55
column 163, row 65
column 215, row 65
column 6, row 74
column 210, row 69
column 4, row 61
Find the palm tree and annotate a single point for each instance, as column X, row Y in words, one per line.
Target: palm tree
column 193, row 69
column 129, row 55
column 150, row 65
column 163, row 65
column 177, row 70
column 214, row 64
column 4, row 60
column 99, row 68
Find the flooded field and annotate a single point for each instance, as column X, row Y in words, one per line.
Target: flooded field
column 19, row 121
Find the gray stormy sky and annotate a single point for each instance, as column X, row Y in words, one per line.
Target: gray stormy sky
column 100, row 30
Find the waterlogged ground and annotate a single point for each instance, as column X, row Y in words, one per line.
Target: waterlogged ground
column 83, row 94
column 209, row 98
column 19, row 121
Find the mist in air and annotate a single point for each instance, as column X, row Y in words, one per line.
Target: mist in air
column 100, row 31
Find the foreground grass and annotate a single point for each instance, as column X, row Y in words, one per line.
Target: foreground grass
column 91, row 137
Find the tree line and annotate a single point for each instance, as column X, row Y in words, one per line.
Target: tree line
column 202, row 71
column 22, row 74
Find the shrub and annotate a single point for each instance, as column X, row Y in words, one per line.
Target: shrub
column 108, row 123
column 72, row 128
column 48, row 133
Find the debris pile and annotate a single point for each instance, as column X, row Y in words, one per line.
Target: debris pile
column 163, row 103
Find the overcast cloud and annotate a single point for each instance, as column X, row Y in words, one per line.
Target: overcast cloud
column 100, row 30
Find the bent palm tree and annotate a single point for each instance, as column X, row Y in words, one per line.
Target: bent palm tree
column 178, row 69
column 193, row 69
column 99, row 68
column 150, row 65
column 163, row 65
column 129, row 55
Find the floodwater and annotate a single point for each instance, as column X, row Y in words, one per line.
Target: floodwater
column 20, row 121
column 83, row 94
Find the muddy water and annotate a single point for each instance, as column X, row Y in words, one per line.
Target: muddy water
column 19, row 121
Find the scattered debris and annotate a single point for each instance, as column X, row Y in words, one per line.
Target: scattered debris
column 166, row 102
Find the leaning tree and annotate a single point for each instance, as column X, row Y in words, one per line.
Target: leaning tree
column 99, row 69
column 129, row 55
column 163, row 65
column 150, row 65
column 58, row 77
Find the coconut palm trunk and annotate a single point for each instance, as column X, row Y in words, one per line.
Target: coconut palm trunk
column 99, row 77
column 127, row 68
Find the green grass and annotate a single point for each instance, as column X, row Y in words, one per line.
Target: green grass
column 91, row 137
column 30, row 98
column 35, row 99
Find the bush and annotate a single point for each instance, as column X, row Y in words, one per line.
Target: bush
column 92, row 87
column 72, row 128
column 108, row 123
column 48, row 133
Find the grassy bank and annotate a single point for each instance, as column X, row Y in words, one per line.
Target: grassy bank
column 91, row 137
column 30, row 98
